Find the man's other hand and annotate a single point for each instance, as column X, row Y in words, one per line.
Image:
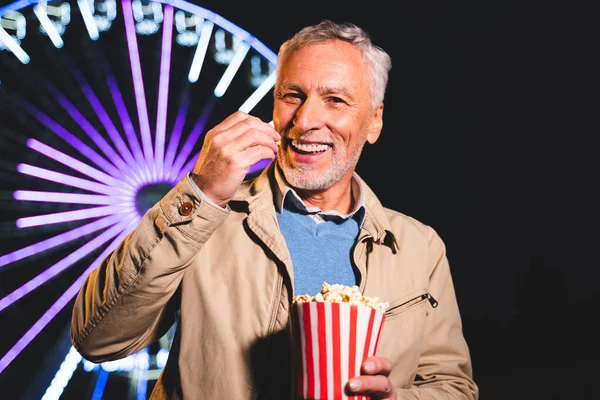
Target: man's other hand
column 373, row 380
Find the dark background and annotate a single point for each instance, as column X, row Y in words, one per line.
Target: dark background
column 489, row 126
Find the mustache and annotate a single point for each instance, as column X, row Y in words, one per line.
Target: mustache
column 312, row 135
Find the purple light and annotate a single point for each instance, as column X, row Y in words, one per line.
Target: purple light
column 125, row 157
column 68, row 216
column 62, row 301
column 102, row 114
column 177, row 129
column 63, row 264
column 89, row 129
column 163, row 88
column 76, row 165
column 73, row 141
column 186, row 168
column 189, row 144
column 126, row 121
column 58, row 240
column 138, row 82
column 259, row 165
column 67, row 198
column 104, row 119
column 69, row 180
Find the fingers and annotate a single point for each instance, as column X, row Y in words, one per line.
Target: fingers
column 376, row 386
column 254, row 132
column 377, row 366
column 374, row 380
column 232, row 120
column 240, row 122
column 229, row 150
column 240, row 132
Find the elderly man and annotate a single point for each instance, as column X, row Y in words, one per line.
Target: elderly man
column 222, row 255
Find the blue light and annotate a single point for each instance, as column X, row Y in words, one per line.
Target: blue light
column 100, row 385
column 63, row 375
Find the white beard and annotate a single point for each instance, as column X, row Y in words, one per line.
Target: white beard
column 307, row 177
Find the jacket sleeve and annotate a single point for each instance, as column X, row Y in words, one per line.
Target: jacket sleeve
column 444, row 370
column 129, row 301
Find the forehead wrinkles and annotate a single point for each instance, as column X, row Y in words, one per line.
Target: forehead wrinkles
column 331, row 68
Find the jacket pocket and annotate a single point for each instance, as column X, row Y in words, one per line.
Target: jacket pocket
column 410, row 302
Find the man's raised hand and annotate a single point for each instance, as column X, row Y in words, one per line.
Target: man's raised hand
column 229, row 150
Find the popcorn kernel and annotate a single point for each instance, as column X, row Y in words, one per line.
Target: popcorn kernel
column 337, row 293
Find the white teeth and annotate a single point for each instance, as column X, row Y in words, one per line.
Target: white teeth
column 311, row 148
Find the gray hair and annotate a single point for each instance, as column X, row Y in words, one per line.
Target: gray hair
column 379, row 62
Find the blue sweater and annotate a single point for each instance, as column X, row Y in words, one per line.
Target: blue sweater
column 320, row 249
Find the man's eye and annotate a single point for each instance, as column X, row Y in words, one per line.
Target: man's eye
column 336, row 100
column 292, row 97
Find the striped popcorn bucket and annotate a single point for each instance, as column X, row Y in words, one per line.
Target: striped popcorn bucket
column 331, row 342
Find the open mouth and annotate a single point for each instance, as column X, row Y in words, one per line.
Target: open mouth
column 312, row 148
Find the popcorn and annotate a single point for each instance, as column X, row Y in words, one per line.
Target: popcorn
column 335, row 331
column 337, row 293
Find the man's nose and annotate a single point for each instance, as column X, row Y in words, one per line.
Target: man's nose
column 310, row 115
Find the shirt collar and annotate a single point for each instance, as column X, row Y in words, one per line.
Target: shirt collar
column 288, row 197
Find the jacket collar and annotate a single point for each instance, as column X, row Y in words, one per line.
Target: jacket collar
column 283, row 192
column 260, row 194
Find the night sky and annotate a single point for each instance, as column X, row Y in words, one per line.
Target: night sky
column 489, row 120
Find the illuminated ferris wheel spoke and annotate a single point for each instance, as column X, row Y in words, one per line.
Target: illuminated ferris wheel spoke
column 103, row 116
column 13, row 46
column 66, row 198
column 232, row 69
column 141, row 376
column 259, row 93
column 68, row 180
column 40, row 12
column 74, row 141
column 108, row 124
column 100, row 384
column 138, row 84
column 78, row 166
column 127, row 124
column 88, row 19
column 63, row 375
column 65, row 263
column 59, row 239
column 70, row 216
column 163, row 88
column 130, row 173
column 191, row 141
column 175, row 136
column 89, row 129
column 200, row 53
column 118, row 233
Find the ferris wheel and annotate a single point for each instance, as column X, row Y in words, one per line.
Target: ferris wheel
column 103, row 104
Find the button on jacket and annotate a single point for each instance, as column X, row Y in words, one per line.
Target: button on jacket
column 225, row 277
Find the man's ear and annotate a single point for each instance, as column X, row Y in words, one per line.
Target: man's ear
column 376, row 125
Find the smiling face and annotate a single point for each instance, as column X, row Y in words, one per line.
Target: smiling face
column 323, row 112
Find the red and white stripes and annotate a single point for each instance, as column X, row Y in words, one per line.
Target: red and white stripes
column 332, row 341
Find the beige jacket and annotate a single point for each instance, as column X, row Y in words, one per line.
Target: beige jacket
column 230, row 276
